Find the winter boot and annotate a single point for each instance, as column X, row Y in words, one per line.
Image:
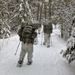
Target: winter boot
column 48, row 46
column 20, row 63
column 44, row 44
column 29, row 63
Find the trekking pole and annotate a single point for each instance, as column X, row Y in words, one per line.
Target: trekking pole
column 51, row 41
column 17, row 48
column 42, row 35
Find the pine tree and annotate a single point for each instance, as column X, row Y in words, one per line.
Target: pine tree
column 5, row 28
column 22, row 13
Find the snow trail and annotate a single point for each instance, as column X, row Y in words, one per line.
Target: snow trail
column 46, row 61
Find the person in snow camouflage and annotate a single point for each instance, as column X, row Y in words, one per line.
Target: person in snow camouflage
column 27, row 35
column 69, row 54
column 47, row 28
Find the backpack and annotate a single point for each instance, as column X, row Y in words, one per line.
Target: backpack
column 27, row 32
column 48, row 28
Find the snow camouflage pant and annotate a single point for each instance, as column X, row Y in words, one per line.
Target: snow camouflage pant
column 47, row 39
column 36, row 41
column 39, row 29
column 26, row 48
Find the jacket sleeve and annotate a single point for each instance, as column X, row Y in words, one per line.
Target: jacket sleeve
column 20, row 32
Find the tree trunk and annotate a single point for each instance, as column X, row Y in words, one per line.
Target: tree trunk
column 49, row 9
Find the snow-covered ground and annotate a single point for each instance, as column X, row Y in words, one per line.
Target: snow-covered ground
column 46, row 61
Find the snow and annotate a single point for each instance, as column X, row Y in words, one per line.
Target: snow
column 46, row 61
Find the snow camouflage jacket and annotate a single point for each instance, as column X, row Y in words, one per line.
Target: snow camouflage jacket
column 27, row 35
column 47, row 28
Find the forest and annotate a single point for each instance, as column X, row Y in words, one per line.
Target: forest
column 59, row 12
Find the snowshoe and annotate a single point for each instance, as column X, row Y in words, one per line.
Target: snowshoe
column 20, row 63
column 29, row 63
